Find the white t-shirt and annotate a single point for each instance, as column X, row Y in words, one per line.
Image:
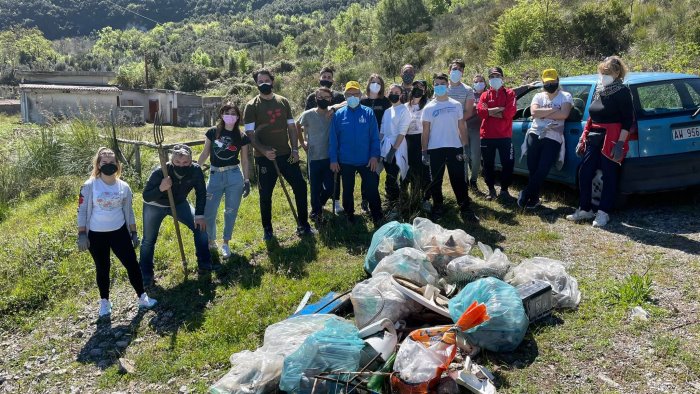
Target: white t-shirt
column 550, row 128
column 416, row 126
column 444, row 117
column 395, row 122
column 107, row 201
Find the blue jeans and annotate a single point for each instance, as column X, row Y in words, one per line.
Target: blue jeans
column 593, row 160
column 152, row 218
column 541, row 155
column 230, row 184
column 321, row 183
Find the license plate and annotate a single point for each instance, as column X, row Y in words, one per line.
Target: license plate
column 684, row 133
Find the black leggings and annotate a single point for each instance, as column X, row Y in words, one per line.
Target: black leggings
column 119, row 241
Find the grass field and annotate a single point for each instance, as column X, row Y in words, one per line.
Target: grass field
column 51, row 342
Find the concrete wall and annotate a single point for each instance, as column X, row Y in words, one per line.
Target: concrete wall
column 190, row 116
column 132, row 115
column 188, row 100
column 37, row 105
column 9, row 107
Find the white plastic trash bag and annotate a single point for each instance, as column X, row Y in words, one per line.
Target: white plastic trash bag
column 440, row 245
column 409, row 263
column 564, row 286
column 377, row 298
column 259, row 371
column 466, row 269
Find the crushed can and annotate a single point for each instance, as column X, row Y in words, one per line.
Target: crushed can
column 537, row 299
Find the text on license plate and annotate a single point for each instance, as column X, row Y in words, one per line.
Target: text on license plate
column 683, row 133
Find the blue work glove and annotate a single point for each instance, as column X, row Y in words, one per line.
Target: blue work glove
column 617, row 151
column 390, row 156
column 246, row 188
column 83, row 242
column 135, row 239
column 425, row 158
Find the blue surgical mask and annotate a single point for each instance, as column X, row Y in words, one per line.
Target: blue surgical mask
column 440, row 90
column 455, row 76
column 353, row 101
column 496, row 83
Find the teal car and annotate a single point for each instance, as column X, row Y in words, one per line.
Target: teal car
column 664, row 146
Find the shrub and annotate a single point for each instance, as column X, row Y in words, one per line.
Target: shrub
column 599, row 29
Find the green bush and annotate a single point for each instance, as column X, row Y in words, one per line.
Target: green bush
column 521, row 30
column 599, row 29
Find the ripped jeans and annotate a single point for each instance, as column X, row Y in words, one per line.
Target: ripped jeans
column 229, row 184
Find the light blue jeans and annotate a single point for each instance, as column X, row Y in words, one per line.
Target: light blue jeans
column 229, row 184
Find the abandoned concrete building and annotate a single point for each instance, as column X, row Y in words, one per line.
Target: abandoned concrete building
column 47, row 95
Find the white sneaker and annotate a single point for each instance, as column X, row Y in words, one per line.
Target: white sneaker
column 225, row 251
column 427, row 206
column 105, row 307
column 580, row 215
column 146, row 302
column 338, row 208
column 601, row 219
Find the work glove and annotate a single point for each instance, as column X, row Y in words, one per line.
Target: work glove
column 246, row 189
column 425, row 158
column 83, row 242
column 135, row 239
column 465, row 152
column 617, row 151
column 390, row 156
column 580, row 149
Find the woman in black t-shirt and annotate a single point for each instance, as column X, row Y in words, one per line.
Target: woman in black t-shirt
column 375, row 98
column 227, row 149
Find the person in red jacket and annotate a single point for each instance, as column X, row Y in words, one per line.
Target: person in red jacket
column 496, row 109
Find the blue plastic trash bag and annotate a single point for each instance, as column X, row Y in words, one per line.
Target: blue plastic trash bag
column 388, row 238
column 508, row 324
column 337, row 347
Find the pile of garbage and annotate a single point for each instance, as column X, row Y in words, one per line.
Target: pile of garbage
column 428, row 303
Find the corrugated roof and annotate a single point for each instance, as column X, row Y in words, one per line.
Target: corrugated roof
column 104, row 89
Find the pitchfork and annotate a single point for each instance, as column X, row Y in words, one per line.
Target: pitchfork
column 158, row 139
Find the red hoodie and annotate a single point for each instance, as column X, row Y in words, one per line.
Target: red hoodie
column 491, row 127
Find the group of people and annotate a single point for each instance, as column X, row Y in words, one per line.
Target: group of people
column 413, row 135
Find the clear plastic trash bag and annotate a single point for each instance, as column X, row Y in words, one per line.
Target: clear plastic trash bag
column 564, row 286
column 409, row 263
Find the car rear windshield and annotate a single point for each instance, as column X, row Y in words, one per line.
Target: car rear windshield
column 667, row 97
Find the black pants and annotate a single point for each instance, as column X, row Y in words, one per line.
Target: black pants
column 439, row 159
column 391, row 184
column 119, row 241
column 418, row 174
column 541, row 155
column 370, row 189
column 593, row 159
column 267, row 178
column 504, row 146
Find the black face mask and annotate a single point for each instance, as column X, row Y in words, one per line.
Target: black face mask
column 323, row 103
column 394, row 98
column 417, row 93
column 325, row 83
column 265, row 88
column 181, row 171
column 407, row 78
column 551, row 87
column 108, row 169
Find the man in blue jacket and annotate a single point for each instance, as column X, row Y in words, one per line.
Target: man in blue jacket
column 354, row 147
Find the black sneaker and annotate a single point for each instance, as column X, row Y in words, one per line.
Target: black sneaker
column 215, row 266
column 473, row 186
column 268, row 234
column 521, row 199
column 365, row 206
column 436, row 214
column 504, row 195
column 316, row 217
column 305, row 230
column 533, row 204
column 468, row 215
column 492, row 193
column 148, row 282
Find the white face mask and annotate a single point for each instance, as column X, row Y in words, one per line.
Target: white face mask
column 374, row 87
column 479, row 86
column 605, row 79
column 496, row 83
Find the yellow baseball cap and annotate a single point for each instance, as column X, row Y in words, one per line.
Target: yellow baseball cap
column 352, row 85
column 549, row 75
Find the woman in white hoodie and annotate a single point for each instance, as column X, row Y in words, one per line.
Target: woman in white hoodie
column 392, row 135
column 106, row 222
